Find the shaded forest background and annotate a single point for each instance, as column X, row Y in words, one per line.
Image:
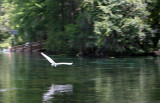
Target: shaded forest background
column 84, row 27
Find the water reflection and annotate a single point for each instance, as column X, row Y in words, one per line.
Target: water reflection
column 57, row 90
column 7, row 84
column 132, row 81
column 9, row 89
column 30, row 79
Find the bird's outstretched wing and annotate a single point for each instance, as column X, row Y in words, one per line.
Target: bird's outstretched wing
column 48, row 58
column 64, row 63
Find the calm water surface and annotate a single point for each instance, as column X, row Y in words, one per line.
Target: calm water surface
column 26, row 78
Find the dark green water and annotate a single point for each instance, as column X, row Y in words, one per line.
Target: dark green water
column 30, row 79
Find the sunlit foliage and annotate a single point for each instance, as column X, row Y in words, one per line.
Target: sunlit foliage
column 86, row 27
column 122, row 26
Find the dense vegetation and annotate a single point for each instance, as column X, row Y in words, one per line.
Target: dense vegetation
column 87, row 27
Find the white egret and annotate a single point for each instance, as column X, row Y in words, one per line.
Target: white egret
column 54, row 63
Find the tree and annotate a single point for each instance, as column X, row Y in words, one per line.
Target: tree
column 122, row 27
column 29, row 19
column 85, row 27
column 154, row 20
column 6, row 12
column 82, row 38
column 59, row 13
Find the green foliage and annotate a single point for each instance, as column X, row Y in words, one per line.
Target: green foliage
column 29, row 21
column 6, row 40
column 85, row 27
column 121, row 26
column 6, row 12
column 58, row 42
column 154, row 20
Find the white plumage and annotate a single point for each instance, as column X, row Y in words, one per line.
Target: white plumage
column 54, row 63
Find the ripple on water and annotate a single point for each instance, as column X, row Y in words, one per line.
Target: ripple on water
column 10, row 89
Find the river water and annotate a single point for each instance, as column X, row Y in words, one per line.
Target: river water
column 29, row 78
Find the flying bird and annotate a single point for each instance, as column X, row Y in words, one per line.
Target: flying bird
column 54, row 63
